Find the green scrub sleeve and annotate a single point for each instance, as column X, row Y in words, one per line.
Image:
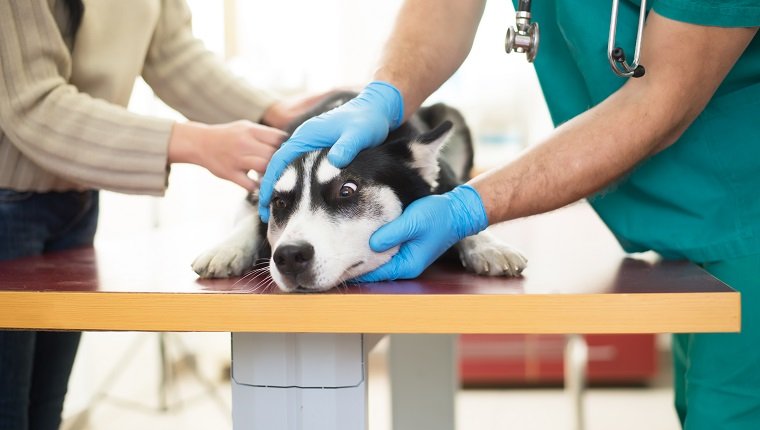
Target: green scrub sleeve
column 717, row 13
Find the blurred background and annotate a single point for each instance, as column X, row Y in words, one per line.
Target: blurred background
column 292, row 47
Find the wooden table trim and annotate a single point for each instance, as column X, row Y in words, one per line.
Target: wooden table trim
column 380, row 313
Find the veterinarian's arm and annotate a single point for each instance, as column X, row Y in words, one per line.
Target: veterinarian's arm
column 642, row 118
column 430, row 40
column 584, row 155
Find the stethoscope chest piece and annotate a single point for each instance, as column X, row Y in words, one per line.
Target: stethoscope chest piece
column 524, row 37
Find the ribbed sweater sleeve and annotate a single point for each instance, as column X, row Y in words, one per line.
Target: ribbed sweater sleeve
column 70, row 134
column 193, row 80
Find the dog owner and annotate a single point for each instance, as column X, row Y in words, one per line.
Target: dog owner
column 65, row 132
column 670, row 161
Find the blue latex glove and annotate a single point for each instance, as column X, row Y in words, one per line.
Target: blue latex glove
column 425, row 230
column 361, row 123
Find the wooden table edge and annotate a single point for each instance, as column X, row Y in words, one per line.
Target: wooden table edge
column 373, row 313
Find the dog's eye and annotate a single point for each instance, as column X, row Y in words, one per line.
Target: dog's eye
column 348, row 189
column 279, row 203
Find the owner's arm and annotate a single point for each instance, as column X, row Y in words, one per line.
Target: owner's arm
column 430, row 40
column 643, row 117
column 192, row 79
column 75, row 136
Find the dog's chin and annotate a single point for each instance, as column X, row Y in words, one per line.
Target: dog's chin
column 303, row 289
column 308, row 283
column 303, row 283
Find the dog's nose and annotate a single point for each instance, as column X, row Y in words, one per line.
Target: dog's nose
column 293, row 258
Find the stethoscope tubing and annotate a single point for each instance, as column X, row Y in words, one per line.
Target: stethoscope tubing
column 616, row 55
column 525, row 38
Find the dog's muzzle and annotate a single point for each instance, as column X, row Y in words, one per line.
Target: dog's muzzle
column 293, row 259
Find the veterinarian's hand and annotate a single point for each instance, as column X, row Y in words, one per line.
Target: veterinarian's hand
column 229, row 151
column 361, row 123
column 425, row 230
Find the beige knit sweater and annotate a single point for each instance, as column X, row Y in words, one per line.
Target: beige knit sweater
column 63, row 121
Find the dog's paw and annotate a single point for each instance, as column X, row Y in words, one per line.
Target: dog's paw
column 487, row 256
column 223, row 262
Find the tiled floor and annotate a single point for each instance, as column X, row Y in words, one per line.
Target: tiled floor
column 137, row 388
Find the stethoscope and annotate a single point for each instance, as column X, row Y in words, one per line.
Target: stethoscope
column 524, row 38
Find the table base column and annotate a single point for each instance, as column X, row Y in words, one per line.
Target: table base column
column 299, row 381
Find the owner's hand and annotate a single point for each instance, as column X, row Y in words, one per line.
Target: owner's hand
column 425, row 230
column 229, row 151
column 362, row 122
column 282, row 113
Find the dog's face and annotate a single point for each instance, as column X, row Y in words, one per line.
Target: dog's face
column 322, row 217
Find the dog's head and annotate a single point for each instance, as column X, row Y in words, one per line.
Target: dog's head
column 322, row 217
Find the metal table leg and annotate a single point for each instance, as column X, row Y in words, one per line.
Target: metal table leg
column 424, row 381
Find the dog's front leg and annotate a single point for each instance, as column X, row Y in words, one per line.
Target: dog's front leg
column 488, row 256
column 235, row 255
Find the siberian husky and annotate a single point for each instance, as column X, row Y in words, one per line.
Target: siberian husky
column 321, row 217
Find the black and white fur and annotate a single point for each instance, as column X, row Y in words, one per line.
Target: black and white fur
column 321, row 217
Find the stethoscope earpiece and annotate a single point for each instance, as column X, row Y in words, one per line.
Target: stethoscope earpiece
column 616, row 54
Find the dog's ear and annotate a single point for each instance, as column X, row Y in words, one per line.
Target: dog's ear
column 425, row 148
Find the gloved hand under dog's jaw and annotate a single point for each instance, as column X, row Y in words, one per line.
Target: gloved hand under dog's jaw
column 425, row 230
column 361, row 123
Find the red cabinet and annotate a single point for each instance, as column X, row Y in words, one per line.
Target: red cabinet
column 538, row 359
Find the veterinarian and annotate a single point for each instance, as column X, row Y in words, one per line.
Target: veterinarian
column 670, row 160
column 66, row 74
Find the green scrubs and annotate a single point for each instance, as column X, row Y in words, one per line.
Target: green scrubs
column 697, row 200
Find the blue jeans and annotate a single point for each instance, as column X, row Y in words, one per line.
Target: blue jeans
column 35, row 365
